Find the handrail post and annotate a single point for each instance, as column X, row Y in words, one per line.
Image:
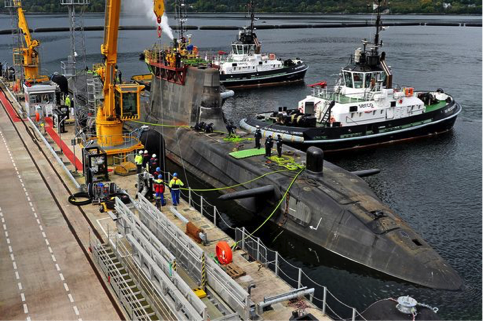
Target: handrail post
column 201, row 204
column 258, row 249
column 214, row 215
column 324, row 300
column 276, row 263
column 189, row 196
column 243, row 238
column 300, row 279
column 353, row 314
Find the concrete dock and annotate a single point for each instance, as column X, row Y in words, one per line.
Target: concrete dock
column 45, row 273
column 47, row 268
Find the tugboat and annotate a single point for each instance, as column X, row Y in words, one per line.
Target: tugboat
column 246, row 67
column 364, row 108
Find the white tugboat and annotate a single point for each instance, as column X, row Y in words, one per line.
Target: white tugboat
column 363, row 109
column 247, row 67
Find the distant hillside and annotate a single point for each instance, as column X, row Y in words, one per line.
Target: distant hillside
column 309, row 6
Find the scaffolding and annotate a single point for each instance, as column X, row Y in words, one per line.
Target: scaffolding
column 75, row 66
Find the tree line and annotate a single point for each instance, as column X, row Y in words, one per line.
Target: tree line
column 288, row 6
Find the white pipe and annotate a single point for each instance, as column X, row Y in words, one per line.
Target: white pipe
column 262, row 305
column 178, row 215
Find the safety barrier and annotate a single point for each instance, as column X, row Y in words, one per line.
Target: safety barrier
column 124, row 291
column 256, row 250
column 49, row 147
column 193, row 259
column 159, row 266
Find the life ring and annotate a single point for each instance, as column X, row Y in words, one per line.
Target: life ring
column 160, row 31
column 224, row 253
column 409, row 92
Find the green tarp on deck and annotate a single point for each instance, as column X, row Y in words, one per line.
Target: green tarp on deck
column 248, row 153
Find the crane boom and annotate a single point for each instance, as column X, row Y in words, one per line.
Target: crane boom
column 27, row 56
column 121, row 101
column 109, row 50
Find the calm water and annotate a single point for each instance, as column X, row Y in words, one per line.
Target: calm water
column 434, row 184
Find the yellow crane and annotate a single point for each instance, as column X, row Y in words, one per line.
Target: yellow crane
column 27, row 56
column 121, row 101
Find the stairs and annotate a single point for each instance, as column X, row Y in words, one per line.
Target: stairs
column 129, row 295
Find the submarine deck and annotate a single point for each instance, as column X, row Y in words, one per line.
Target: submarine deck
column 268, row 284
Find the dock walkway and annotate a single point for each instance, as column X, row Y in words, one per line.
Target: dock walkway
column 43, row 270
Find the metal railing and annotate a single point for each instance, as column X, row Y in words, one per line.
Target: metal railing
column 158, row 266
column 193, row 259
column 257, row 251
column 121, row 287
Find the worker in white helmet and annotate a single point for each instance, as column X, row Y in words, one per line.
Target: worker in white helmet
column 146, row 158
column 138, row 160
column 153, row 164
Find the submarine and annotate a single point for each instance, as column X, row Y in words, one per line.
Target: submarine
column 323, row 203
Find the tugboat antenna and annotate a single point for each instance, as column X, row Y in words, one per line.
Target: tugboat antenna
column 251, row 11
column 378, row 24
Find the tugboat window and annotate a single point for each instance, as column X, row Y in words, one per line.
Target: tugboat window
column 369, row 76
column 358, row 80
column 348, row 79
column 383, row 78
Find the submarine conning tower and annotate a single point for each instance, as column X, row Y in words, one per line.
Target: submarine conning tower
column 175, row 102
column 315, row 161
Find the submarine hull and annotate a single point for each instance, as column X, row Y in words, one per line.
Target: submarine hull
column 333, row 209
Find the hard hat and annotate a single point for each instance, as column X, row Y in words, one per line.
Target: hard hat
column 160, row 176
column 258, row 126
column 146, row 151
column 154, row 155
column 175, row 175
column 140, row 152
column 158, row 169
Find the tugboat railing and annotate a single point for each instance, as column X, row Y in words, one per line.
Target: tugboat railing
column 257, row 251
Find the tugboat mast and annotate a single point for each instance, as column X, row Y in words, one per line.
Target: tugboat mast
column 378, row 25
column 181, row 16
column 251, row 11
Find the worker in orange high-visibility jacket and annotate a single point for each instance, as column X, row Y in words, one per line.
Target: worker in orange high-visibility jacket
column 159, row 191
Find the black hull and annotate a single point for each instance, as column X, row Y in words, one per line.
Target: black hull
column 289, row 75
column 435, row 122
column 430, row 130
